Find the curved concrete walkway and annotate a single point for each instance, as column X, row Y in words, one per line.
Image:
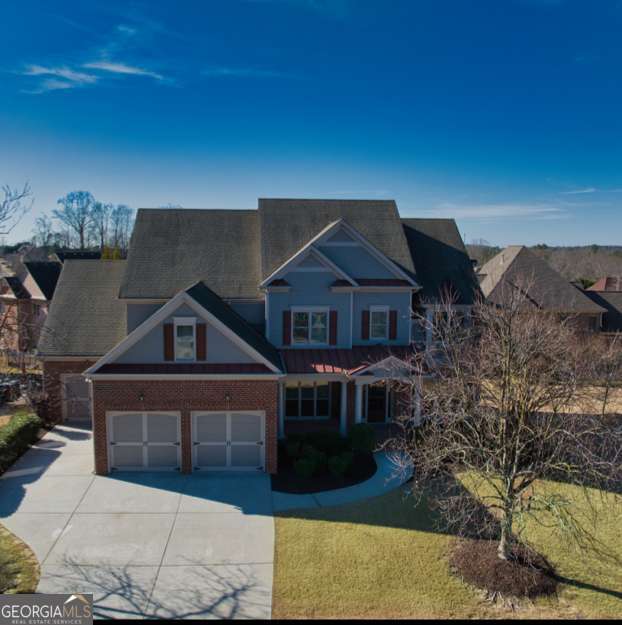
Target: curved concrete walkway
column 384, row 480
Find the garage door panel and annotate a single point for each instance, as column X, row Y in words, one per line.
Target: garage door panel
column 130, row 456
column 146, row 440
column 128, row 428
column 162, row 428
column 245, row 427
column 211, row 428
column 214, row 456
column 162, row 456
column 246, row 456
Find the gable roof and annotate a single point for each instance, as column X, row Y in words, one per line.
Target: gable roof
column 440, row 259
column 611, row 301
column 171, row 248
column 45, row 274
column 548, row 290
column 204, row 296
column 608, row 283
column 208, row 305
column 85, row 318
column 16, row 286
column 289, row 224
column 63, row 255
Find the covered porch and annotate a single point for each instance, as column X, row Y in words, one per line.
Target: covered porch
column 328, row 390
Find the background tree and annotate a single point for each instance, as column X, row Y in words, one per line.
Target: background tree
column 100, row 220
column 43, row 231
column 76, row 213
column 504, row 412
column 121, row 221
column 13, row 206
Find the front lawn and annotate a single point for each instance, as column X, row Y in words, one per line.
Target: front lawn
column 19, row 569
column 382, row 558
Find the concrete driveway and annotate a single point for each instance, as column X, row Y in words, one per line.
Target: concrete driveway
column 151, row 545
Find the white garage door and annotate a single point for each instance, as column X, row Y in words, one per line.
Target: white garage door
column 144, row 440
column 76, row 394
column 228, row 440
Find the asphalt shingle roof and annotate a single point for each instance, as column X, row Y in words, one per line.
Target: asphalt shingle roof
column 45, row 274
column 171, row 249
column 288, row 224
column 441, row 260
column 86, row 318
column 516, row 265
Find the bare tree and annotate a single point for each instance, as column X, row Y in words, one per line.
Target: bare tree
column 76, row 213
column 503, row 408
column 43, row 231
column 121, row 219
column 13, row 206
column 100, row 222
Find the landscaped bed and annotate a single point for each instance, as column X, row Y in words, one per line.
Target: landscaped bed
column 19, row 569
column 321, row 461
column 385, row 557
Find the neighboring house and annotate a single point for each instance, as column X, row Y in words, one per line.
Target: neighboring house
column 518, row 267
column 226, row 329
column 63, row 255
column 607, row 292
column 25, row 296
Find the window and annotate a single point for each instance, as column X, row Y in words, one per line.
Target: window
column 185, row 339
column 307, row 401
column 378, row 322
column 310, row 326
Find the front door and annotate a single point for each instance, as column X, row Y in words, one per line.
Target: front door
column 376, row 403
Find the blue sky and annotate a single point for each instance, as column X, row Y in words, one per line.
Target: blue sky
column 506, row 114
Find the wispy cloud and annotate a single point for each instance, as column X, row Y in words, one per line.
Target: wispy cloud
column 580, row 191
column 243, row 72
column 122, row 68
column 498, row 211
column 61, row 78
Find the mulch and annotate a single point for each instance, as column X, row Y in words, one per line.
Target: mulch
column 526, row 574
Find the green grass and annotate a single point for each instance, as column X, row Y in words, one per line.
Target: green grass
column 383, row 558
column 19, row 569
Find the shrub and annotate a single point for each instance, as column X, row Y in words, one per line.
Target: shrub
column 331, row 443
column 16, row 437
column 305, row 467
column 362, row 437
column 339, row 465
column 292, row 449
column 318, row 457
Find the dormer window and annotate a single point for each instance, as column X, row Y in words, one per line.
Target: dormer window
column 185, row 339
column 310, row 326
column 378, row 323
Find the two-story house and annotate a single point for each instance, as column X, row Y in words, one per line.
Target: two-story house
column 226, row 329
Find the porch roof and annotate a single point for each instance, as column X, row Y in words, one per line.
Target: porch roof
column 340, row 361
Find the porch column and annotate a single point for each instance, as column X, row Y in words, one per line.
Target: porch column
column 358, row 403
column 343, row 416
column 281, row 410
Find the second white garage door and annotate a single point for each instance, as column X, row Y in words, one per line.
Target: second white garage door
column 228, row 440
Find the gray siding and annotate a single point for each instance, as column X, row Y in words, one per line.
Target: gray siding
column 356, row 261
column 150, row 348
column 395, row 301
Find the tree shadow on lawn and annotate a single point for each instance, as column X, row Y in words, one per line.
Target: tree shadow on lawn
column 399, row 510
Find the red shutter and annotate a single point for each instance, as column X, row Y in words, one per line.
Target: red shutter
column 287, row 327
column 392, row 325
column 333, row 327
column 169, row 343
column 365, row 325
column 201, row 341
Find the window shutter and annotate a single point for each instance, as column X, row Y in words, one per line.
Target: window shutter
column 365, row 325
column 333, row 328
column 287, row 327
column 201, row 341
column 169, row 342
column 392, row 325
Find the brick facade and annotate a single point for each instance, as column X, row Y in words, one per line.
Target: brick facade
column 183, row 396
column 52, row 372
